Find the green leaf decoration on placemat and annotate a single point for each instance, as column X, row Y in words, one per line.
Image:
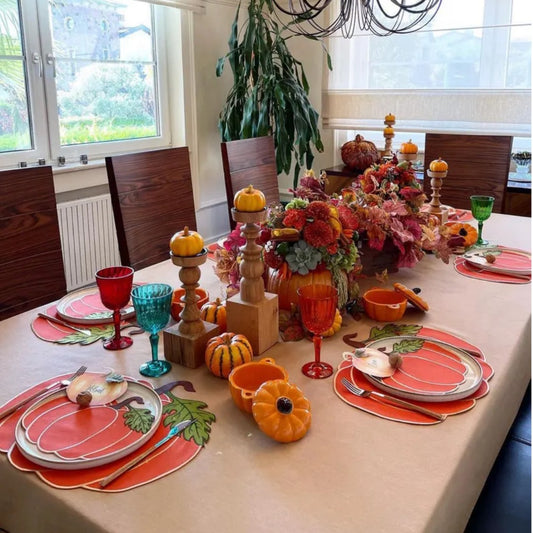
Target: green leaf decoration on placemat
column 180, row 409
column 392, row 330
column 97, row 333
column 407, row 346
column 99, row 314
column 138, row 419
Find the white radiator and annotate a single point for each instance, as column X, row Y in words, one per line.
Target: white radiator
column 88, row 238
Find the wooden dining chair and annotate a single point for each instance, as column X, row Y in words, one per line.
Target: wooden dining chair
column 152, row 198
column 31, row 262
column 250, row 161
column 478, row 164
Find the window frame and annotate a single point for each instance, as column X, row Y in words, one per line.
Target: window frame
column 42, row 96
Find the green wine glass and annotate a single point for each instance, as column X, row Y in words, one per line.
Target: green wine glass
column 481, row 211
column 152, row 309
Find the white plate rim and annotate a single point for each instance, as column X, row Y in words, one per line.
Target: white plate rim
column 459, row 394
column 64, row 302
column 481, row 262
column 52, row 461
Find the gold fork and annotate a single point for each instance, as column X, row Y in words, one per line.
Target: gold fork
column 62, row 383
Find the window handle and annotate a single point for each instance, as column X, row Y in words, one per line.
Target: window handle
column 51, row 60
column 36, row 60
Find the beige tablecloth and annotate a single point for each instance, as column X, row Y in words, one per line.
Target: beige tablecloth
column 352, row 472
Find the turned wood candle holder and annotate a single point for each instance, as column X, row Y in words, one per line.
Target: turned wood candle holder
column 387, row 152
column 435, row 207
column 253, row 312
column 184, row 343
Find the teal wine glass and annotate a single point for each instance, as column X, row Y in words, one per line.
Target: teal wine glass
column 481, row 211
column 152, row 309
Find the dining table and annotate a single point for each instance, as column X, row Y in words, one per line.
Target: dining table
column 352, row 472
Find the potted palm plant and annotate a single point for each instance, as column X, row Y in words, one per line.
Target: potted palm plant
column 270, row 91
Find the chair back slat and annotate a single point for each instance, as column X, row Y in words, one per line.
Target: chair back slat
column 31, row 262
column 152, row 198
column 478, row 164
column 250, row 162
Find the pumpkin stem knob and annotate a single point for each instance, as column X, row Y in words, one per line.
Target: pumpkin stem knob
column 250, row 189
column 284, row 405
column 186, row 230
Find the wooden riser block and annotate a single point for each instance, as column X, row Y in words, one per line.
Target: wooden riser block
column 188, row 350
column 257, row 322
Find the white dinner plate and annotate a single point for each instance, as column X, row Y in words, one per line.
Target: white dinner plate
column 84, row 306
column 48, row 459
column 466, row 372
column 508, row 260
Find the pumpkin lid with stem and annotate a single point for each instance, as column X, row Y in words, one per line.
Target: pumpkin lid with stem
column 412, row 297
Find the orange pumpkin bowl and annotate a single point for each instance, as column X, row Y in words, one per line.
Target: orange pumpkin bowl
column 245, row 379
column 384, row 305
column 176, row 307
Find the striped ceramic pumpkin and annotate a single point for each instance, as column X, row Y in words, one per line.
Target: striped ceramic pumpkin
column 226, row 351
column 214, row 312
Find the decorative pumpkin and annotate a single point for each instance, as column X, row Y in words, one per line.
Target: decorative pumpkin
column 186, row 243
column 438, row 165
column 281, row 410
column 408, row 148
column 389, row 130
column 337, row 323
column 466, row 231
column 390, row 118
column 249, row 200
column 226, row 351
column 359, row 154
column 286, row 287
column 214, row 312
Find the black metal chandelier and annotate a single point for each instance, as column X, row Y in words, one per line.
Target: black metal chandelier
column 380, row 17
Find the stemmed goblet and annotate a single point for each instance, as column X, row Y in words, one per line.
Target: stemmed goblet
column 114, row 284
column 481, row 211
column 152, row 309
column 318, row 304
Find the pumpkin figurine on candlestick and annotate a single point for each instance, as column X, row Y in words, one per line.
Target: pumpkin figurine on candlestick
column 252, row 312
column 408, row 151
column 438, row 170
column 184, row 343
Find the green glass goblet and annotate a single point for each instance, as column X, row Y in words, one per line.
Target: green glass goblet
column 481, row 211
column 152, row 309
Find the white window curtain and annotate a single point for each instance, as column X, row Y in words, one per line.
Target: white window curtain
column 468, row 72
column 197, row 6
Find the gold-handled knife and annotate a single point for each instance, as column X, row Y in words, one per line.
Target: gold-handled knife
column 176, row 430
column 63, row 323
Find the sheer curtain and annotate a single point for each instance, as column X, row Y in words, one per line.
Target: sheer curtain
column 469, row 71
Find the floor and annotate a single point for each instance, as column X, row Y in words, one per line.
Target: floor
column 504, row 505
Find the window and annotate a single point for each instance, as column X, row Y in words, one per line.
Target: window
column 89, row 85
column 469, row 71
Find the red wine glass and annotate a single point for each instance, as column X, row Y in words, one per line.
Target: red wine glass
column 318, row 304
column 114, row 284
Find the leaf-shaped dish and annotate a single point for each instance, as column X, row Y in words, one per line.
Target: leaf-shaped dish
column 432, row 371
column 55, row 433
column 84, row 306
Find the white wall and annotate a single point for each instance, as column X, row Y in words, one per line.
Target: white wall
column 203, row 95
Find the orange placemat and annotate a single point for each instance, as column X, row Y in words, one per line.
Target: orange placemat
column 391, row 412
column 470, row 270
column 168, row 458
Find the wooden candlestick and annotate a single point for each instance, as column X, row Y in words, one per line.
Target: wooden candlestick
column 435, row 207
column 253, row 312
column 184, row 343
column 388, row 133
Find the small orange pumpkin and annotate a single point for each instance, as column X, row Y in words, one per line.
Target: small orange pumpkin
column 466, row 231
column 337, row 323
column 214, row 312
column 281, row 410
column 389, row 130
column 249, row 200
column 438, row 165
column 226, row 351
column 186, row 243
column 390, row 118
column 408, row 148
